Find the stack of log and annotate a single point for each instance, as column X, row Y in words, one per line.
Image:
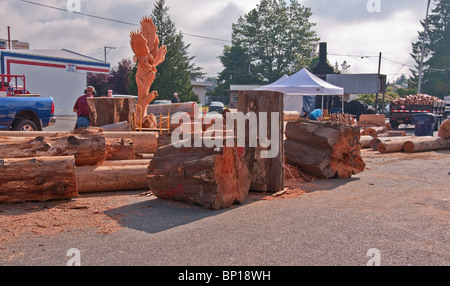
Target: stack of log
column 39, row 166
column 417, row 99
column 408, row 144
column 324, row 149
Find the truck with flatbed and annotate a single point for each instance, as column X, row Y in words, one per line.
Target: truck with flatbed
column 21, row 110
column 447, row 107
column 401, row 110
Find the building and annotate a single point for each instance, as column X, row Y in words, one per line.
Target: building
column 200, row 89
column 234, row 93
column 60, row 74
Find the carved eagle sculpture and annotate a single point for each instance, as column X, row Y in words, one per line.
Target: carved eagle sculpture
column 148, row 54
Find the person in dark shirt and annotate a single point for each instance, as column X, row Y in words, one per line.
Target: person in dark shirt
column 81, row 108
column 175, row 98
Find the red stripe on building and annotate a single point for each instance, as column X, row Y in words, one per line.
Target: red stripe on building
column 92, row 69
column 9, row 62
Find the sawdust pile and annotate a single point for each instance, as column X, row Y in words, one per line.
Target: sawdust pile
column 50, row 218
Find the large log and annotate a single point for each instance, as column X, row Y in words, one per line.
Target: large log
column 110, row 110
column 113, row 176
column 211, row 177
column 377, row 131
column 87, row 145
column 326, row 150
column 365, row 141
column 444, row 129
column 144, row 142
column 37, row 179
column 266, row 165
column 426, row 144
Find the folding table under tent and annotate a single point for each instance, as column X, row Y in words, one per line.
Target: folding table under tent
column 302, row 83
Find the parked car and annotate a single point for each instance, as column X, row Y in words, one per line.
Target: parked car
column 162, row 101
column 216, row 106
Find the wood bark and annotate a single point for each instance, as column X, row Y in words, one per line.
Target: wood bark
column 444, row 129
column 379, row 131
column 87, row 145
column 110, row 110
column 112, row 177
column 325, row 150
column 426, row 144
column 214, row 178
column 37, row 179
column 119, row 149
column 266, row 174
column 365, row 141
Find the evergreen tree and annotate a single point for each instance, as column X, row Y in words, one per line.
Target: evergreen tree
column 437, row 54
column 175, row 73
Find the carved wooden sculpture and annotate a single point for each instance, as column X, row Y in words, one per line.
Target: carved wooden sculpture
column 148, row 54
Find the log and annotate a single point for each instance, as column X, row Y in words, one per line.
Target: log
column 119, row 149
column 326, row 150
column 116, row 127
column 444, row 129
column 291, row 115
column 112, row 177
column 37, row 179
column 110, row 110
column 365, row 141
column 376, row 141
column 144, row 142
column 88, row 146
column 375, row 131
column 426, row 144
column 266, row 174
column 214, row 178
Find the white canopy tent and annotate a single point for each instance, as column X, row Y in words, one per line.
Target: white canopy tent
column 302, row 83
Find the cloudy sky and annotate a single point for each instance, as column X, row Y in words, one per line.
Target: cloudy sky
column 352, row 28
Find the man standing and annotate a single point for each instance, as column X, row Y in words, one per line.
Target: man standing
column 81, row 108
column 175, row 98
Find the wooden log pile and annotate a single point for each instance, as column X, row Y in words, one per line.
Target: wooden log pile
column 326, row 150
column 37, row 166
column 417, row 99
column 409, row 144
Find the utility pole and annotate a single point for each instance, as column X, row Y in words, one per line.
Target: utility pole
column 109, row 49
column 9, row 37
column 419, row 85
column 379, row 82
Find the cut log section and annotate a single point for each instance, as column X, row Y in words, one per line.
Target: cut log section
column 112, row 177
column 326, row 150
column 376, row 141
column 426, row 144
column 378, row 131
column 88, row 146
column 37, row 179
column 211, row 177
column 365, row 141
column 110, row 110
column 120, row 149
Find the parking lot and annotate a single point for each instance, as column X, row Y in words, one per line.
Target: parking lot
column 398, row 207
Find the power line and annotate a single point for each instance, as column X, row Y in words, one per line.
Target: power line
column 113, row 20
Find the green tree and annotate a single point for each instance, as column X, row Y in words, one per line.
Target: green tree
column 437, row 54
column 280, row 37
column 177, row 70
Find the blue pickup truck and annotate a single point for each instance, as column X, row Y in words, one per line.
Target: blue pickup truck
column 26, row 113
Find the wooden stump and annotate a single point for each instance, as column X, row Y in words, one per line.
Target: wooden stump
column 37, row 179
column 326, row 150
column 87, row 145
column 211, row 177
column 110, row 110
column 266, row 170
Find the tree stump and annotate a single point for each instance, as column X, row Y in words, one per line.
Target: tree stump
column 326, row 150
column 111, row 110
column 37, row 179
column 214, row 178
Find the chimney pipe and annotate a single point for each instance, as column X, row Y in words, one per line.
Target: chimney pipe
column 323, row 52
